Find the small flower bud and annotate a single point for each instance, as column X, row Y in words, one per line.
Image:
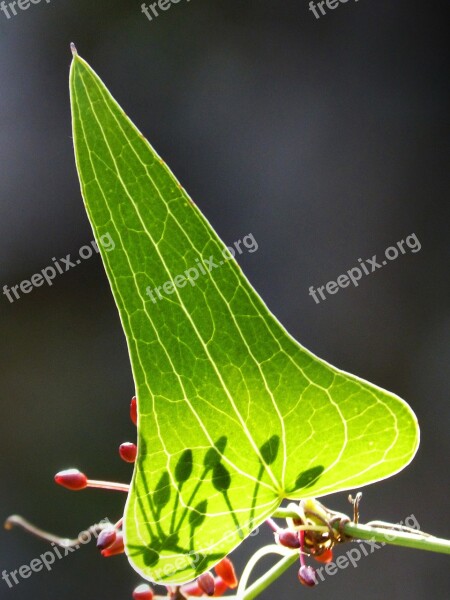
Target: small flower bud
column 143, row 592
column 307, row 576
column 117, row 547
column 133, row 410
column 206, row 583
column 288, row 538
column 106, row 538
column 193, row 589
column 128, row 452
column 225, row 571
column 72, row 479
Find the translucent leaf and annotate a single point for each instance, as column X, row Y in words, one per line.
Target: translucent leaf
column 233, row 414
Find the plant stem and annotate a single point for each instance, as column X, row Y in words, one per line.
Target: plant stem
column 392, row 535
column 273, row 526
column 284, row 513
column 263, row 582
column 385, row 535
column 108, row 485
column 419, row 540
column 18, row 521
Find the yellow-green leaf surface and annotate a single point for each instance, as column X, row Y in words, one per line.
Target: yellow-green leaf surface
column 233, row 414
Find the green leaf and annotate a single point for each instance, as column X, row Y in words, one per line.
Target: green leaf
column 233, row 414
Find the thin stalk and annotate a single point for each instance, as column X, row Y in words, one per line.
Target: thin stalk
column 284, row 513
column 108, row 485
column 18, row 521
column 265, row 551
column 273, row 526
column 267, row 579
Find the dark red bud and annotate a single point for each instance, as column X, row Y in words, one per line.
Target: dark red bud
column 72, row 479
column 206, row 583
column 133, row 410
column 288, row 538
column 143, row 592
column 106, row 538
column 225, row 571
column 191, row 589
column 128, row 452
column 325, row 557
column 221, row 587
column 307, row 576
column 117, row 547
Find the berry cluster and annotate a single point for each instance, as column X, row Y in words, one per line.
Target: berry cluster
column 110, row 539
column 308, row 543
column 312, row 530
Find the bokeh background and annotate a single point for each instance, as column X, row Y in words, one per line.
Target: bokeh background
column 328, row 140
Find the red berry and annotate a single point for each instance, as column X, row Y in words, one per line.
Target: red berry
column 191, row 589
column 288, row 538
column 72, row 479
column 206, row 583
column 133, row 410
column 128, row 452
column 221, row 587
column 117, row 547
column 325, row 557
column 225, row 571
column 307, row 576
column 143, row 592
column 106, row 538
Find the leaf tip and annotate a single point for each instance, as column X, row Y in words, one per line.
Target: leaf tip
column 73, row 49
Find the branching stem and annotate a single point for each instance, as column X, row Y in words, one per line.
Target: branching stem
column 389, row 535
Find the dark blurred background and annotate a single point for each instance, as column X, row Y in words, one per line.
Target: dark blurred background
column 328, row 140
